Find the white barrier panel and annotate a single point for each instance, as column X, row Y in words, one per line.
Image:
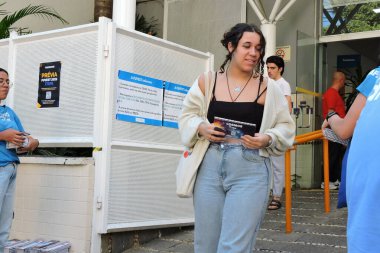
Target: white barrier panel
column 134, row 184
column 4, row 54
column 144, row 157
column 72, row 123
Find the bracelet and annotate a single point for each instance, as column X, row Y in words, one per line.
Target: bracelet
column 329, row 115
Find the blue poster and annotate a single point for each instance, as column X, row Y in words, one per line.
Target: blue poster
column 173, row 98
column 139, row 99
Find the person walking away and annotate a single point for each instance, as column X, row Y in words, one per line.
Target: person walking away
column 332, row 103
column 276, row 68
column 232, row 184
column 11, row 133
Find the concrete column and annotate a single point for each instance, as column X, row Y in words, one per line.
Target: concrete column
column 269, row 32
column 124, row 13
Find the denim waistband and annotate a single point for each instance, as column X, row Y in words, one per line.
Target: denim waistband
column 226, row 145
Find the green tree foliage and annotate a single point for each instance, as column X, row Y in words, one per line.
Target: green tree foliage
column 354, row 18
column 365, row 19
column 9, row 19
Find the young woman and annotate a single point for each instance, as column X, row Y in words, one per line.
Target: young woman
column 11, row 131
column 232, row 185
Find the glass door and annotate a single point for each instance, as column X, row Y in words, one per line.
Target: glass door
column 307, row 111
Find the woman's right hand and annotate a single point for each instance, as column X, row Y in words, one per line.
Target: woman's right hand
column 13, row 136
column 208, row 132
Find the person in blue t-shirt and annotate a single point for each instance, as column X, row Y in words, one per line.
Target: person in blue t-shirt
column 363, row 175
column 11, row 132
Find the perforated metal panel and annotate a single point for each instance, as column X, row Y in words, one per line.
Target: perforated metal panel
column 142, row 188
column 164, row 63
column 4, row 55
column 137, row 182
column 143, row 163
column 75, row 115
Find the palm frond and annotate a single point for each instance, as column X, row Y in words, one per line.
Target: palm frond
column 38, row 10
column 21, row 30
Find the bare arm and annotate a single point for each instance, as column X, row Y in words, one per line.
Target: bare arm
column 201, row 83
column 344, row 127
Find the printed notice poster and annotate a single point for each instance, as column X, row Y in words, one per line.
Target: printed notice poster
column 139, row 99
column 173, row 99
column 49, row 82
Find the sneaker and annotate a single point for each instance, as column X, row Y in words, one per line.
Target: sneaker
column 332, row 186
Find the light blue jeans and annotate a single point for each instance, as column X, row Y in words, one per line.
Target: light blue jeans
column 7, row 194
column 230, row 198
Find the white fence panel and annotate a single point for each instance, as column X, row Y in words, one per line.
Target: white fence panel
column 144, row 157
column 4, row 51
column 134, row 184
column 71, row 123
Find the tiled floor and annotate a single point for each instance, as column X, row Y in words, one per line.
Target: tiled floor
column 314, row 230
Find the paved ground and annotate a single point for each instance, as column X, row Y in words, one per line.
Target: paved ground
column 314, row 230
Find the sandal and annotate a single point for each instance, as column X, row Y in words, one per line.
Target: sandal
column 274, row 205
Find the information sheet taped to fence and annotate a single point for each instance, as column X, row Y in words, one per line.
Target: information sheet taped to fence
column 139, row 99
column 173, row 99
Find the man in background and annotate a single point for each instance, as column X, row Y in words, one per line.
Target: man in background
column 276, row 68
column 332, row 103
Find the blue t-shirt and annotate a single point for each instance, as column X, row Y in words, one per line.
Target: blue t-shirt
column 8, row 119
column 363, row 173
column 367, row 85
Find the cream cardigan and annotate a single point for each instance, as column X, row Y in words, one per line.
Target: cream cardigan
column 276, row 121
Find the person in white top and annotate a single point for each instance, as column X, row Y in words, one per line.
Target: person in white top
column 276, row 67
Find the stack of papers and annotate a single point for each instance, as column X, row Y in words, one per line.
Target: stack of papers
column 331, row 136
column 38, row 246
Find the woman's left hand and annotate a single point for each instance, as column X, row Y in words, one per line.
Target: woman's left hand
column 257, row 141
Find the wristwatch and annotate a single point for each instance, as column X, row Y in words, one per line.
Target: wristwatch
column 329, row 115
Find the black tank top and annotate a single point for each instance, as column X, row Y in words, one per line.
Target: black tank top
column 251, row 112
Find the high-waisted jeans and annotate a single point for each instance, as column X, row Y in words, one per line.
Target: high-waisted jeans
column 230, row 199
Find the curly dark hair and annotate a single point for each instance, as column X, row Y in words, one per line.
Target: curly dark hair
column 234, row 35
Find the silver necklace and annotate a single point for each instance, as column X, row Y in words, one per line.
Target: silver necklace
column 236, row 89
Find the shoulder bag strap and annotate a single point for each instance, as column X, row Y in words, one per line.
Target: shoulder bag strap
column 209, row 86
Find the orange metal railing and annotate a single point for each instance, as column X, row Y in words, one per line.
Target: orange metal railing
column 316, row 135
